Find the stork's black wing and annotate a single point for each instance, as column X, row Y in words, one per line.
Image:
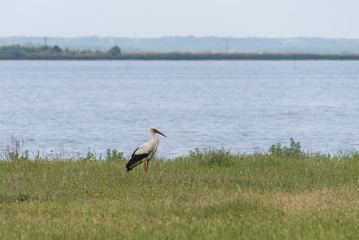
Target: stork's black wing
column 136, row 160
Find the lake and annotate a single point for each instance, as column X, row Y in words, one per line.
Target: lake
column 244, row 106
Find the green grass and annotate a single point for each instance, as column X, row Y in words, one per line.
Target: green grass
column 210, row 194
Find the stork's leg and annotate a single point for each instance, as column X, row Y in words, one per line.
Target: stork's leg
column 146, row 166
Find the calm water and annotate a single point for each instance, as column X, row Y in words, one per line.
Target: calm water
column 245, row 106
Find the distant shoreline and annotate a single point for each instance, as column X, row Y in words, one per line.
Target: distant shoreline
column 18, row 52
column 180, row 56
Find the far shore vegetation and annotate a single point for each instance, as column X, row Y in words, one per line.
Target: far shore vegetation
column 18, row 52
column 283, row 193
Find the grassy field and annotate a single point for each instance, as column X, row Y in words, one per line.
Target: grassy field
column 204, row 195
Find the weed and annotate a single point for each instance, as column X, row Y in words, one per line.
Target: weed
column 25, row 156
column 113, row 155
column 13, row 150
column 196, row 154
column 90, row 156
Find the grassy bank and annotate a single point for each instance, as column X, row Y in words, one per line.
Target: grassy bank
column 204, row 195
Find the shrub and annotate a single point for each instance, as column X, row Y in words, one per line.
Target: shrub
column 293, row 150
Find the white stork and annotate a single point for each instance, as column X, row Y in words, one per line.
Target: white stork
column 145, row 152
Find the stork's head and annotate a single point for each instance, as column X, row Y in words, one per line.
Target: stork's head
column 155, row 130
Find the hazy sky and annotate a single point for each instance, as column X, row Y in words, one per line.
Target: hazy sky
column 156, row 18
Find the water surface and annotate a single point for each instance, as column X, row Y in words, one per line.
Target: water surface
column 244, row 106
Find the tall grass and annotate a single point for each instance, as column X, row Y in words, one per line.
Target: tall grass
column 207, row 194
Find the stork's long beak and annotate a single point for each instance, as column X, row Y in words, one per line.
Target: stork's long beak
column 160, row 133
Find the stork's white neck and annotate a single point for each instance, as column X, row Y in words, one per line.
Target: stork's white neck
column 155, row 136
column 156, row 140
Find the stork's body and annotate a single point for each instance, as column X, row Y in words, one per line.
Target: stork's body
column 145, row 152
